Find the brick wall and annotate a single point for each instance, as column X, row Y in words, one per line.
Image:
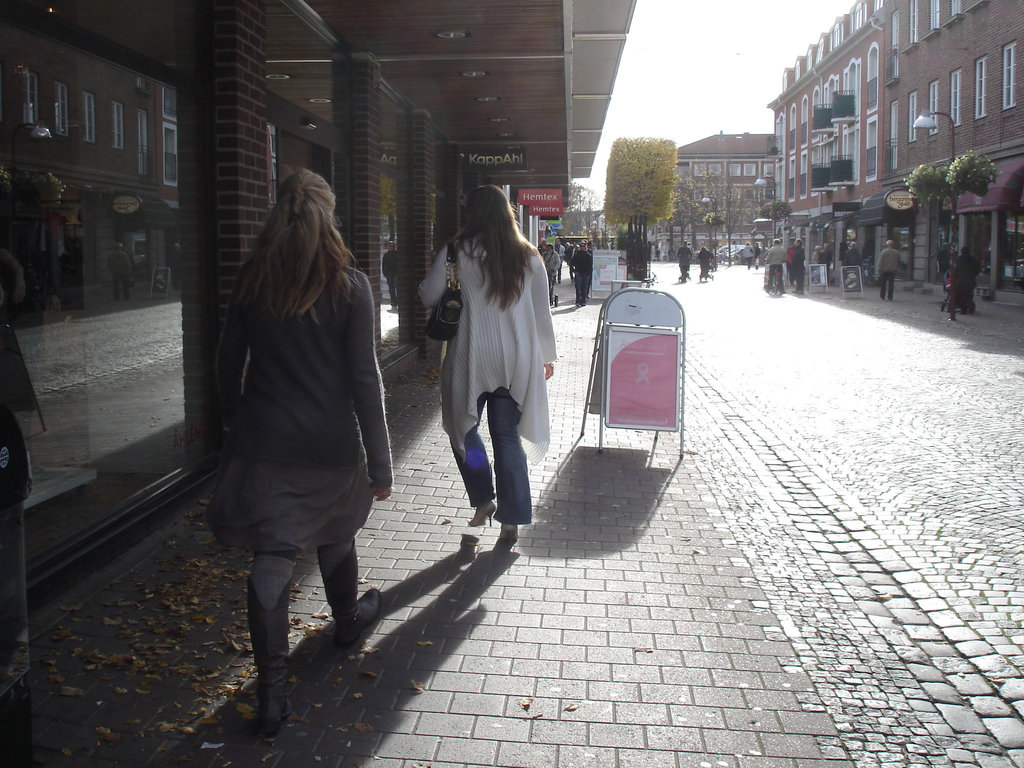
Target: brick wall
column 982, row 30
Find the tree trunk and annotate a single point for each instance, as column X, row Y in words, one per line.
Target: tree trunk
column 636, row 248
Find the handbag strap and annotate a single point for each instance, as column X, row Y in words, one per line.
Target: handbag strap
column 452, row 267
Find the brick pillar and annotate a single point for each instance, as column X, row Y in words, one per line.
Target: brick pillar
column 422, row 206
column 357, row 99
column 240, row 120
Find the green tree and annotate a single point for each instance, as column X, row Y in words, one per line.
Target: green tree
column 638, row 188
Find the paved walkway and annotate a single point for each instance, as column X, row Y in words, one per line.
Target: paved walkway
column 652, row 616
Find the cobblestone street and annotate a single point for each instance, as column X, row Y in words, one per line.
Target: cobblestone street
column 830, row 576
column 870, row 459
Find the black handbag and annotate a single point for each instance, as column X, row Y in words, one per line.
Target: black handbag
column 444, row 317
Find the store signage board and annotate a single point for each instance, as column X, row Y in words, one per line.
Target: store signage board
column 642, row 385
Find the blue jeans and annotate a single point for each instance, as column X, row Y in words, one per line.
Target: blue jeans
column 582, row 287
column 515, row 505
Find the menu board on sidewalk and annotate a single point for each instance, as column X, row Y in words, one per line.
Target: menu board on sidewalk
column 818, row 275
column 852, row 282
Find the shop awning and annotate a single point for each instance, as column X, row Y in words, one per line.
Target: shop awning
column 1007, row 194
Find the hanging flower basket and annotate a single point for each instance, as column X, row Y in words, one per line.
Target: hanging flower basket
column 714, row 219
column 971, row 173
column 49, row 188
column 776, row 210
column 928, row 182
column 5, row 181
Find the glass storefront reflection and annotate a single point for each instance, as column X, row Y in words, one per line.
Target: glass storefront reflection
column 98, row 218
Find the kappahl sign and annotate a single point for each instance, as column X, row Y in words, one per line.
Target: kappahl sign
column 542, row 202
column 504, row 159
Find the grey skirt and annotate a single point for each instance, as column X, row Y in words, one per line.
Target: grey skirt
column 270, row 506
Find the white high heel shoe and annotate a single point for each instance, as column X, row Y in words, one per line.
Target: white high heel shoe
column 484, row 513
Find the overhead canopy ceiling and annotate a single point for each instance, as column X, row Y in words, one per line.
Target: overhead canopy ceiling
column 535, row 74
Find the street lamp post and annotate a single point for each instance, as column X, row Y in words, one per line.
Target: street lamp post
column 36, row 131
column 928, row 122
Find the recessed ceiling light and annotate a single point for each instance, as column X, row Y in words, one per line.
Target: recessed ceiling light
column 506, row 134
column 452, row 34
column 278, row 76
column 474, row 73
column 486, row 98
column 319, row 101
column 497, row 119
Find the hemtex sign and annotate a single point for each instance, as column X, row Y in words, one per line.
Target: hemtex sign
column 504, row 159
column 542, row 202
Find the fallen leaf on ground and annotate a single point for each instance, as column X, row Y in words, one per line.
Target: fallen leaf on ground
column 363, row 727
column 525, row 703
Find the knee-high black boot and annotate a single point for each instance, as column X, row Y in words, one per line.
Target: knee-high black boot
column 351, row 616
column 268, row 630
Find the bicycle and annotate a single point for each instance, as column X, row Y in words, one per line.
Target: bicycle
column 773, row 280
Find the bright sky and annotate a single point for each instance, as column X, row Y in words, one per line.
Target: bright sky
column 692, row 68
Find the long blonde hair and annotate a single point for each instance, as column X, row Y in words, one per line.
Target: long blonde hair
column 491, row 223
column 300, row 253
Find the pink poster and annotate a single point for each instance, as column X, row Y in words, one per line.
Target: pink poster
column 643, row 379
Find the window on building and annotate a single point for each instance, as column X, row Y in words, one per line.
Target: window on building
column 954, row 96
column 750, row 169
column 803, row 174
column 912, row 21
column 894, row 30
column 699, row 169
column 791, row 181
column 894, row 135
column 117, row 124
column 735, row 170
column 170, row 154
column 803, row 122
column 979, row 88
column 912, row 116
column 1009, row 57
column 859, row 15
column 715, row 169
column 878, row 4
column 933, row 103
column 872, row 99
column 30, row 107
column 60, row 108
column 871, row 149
column 933, row 14
column 143, row 136
column 170, row 103
column 955, row 7
column 88, row 117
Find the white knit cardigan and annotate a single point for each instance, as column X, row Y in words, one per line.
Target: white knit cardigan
column 495, row 348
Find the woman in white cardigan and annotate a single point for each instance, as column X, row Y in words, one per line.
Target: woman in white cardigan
column 500, row 358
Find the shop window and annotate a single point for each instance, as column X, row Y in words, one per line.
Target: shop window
column 102, row 393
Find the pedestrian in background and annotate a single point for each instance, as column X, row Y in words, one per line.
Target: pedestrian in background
column 389, row 267
column 120, row 265
column 583, row 265
column 307, row 449
column 500, row 358
column 888, row 263
column 684, row 255
column 774, row 258
column 797, row 265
